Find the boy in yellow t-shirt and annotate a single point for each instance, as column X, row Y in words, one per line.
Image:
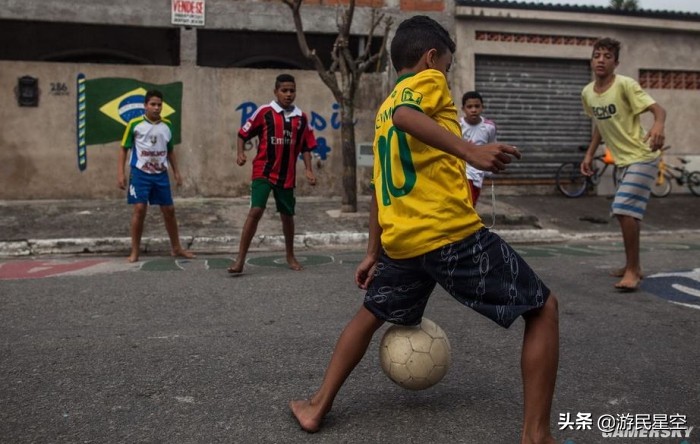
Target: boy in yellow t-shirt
column 615, row 103
column 424, row 231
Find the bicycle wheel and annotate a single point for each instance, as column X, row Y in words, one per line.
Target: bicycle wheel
column 570, row 181
column 662, row 185
column 694, row 182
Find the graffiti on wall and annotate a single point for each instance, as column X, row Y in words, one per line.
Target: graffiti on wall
column 106, row 105
column 318, row 122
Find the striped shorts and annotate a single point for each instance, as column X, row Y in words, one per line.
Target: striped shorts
column 634, row 189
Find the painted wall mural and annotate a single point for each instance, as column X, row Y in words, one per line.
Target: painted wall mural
column 106, row 105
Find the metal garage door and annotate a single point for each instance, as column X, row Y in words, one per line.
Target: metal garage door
column 536, row 104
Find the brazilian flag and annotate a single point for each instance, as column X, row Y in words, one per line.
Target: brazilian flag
column 106, row 105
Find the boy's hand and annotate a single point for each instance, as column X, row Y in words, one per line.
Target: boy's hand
column 178, row 179
column 240, row 160
column 587, row 166
column 364, row 274
column 121, row 181
column 492, row 157
column 656, row 137
column 310, row 177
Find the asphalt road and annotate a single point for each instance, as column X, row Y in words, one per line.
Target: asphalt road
column 96, row 350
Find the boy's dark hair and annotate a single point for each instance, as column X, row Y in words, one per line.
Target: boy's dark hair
column 283, row 78
column 414, row 37
column 152, row 93
column 471, row 95
column 611, row 45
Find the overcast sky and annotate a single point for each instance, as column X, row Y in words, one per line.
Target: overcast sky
column 659, row 5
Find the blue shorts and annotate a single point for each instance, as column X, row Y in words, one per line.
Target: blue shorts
column 147, row 188
column 481, row 271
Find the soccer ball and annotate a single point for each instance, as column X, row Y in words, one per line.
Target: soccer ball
column 415, row 357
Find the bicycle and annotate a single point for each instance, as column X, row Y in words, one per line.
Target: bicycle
column 572, row 183
column 668, row 173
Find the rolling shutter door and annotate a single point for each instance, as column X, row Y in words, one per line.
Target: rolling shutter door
column 536, row 105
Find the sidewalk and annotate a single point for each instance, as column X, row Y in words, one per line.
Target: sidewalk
column 214, row 225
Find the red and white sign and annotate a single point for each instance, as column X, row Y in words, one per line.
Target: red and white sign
column 187, row 12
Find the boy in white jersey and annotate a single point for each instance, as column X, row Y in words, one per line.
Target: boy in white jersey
column 479, row 131
column 424, row 230
column 149, row 137
column 615, row 103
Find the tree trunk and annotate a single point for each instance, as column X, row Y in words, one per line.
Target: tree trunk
column 347, row 136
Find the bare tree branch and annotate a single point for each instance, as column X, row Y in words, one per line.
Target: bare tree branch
column 343, row 79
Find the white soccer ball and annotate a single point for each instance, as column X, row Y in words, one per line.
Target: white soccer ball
column 415, row 357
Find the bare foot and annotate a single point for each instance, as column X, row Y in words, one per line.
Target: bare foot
column 183, row 253
column 619, row 272
column 307, row 415
column 294, row 264
column 133, row 257
column 235, row 268
column 629, row 282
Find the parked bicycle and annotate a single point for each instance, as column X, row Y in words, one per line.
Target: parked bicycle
column 680, row 174
column 572, row 183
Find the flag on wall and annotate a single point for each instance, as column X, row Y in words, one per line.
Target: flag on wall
column 106, row 105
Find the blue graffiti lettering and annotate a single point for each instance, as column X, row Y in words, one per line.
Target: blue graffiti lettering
column 247, row 109
column 322, row 149
column 317, row 121
column 335, row 123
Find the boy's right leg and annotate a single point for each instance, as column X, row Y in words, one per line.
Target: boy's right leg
column 249, row 228
column 348, row 352
column 539, row 363
column 137, row 218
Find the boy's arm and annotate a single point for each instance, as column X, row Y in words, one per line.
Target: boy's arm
column 240, row 150
column 172, row 160
column 586, row 163
column 365, row 271
column 493, row 157
column 121, row 177
column 306, row 156
column 656, row 136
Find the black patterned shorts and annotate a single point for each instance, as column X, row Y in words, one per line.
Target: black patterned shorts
column 482, row 272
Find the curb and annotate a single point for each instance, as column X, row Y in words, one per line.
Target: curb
column 228, row 244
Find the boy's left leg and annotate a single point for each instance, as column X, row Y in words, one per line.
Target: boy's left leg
column 171, row 227
column 288, row 230
column 285, row 201
column 632, row 273
column 483, row 272
column 539, row 362
column 349, row 350
column 629, row 206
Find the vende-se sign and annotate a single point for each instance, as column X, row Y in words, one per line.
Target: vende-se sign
column 187, row 12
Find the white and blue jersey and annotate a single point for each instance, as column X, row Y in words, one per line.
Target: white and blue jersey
column 150, row 143
column 483, row 133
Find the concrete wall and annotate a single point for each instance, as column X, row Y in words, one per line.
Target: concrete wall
column 656, row 44
column 38, row 158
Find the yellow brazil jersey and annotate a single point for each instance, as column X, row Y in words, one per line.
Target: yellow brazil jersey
column 422, row 192
column 617, row 117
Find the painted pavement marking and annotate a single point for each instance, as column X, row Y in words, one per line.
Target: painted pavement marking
column 680, row 287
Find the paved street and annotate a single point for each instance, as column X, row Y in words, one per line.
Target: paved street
column 98, row 350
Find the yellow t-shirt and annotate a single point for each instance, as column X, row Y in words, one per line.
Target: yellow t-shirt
column 617, row 115
column 422, row 192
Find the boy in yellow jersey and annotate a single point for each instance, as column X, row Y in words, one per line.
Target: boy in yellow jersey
column 423, row 231
column 615, row 103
